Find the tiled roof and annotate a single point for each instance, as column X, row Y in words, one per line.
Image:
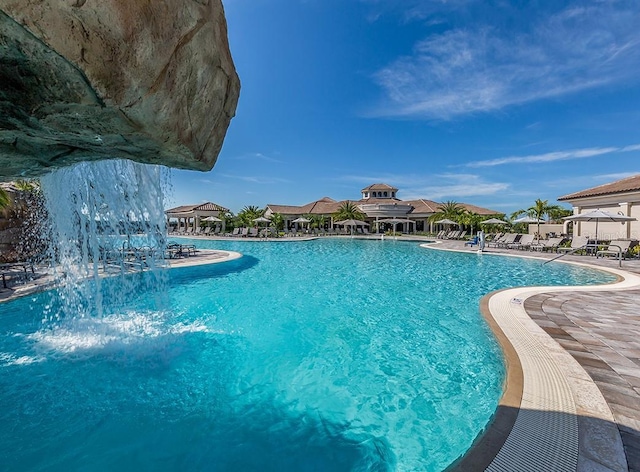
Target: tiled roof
column 480, row 210
column 379, row 187
column 207, row 206
column 630, row 184
column 379, row 200
column 423, row 206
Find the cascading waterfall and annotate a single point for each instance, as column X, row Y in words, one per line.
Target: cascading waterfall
column 105, row 220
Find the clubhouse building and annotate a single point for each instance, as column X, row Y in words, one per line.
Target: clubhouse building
column 381, row 206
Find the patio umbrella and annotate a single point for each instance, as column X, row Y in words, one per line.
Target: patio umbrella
column 211, row 219
column 494, row 221
column 301, row 220
column 599, row 215
column 527, row 219
column 351, row 223
column 446, row 221
column 261, row 219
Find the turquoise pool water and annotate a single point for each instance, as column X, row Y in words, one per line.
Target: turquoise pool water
column 338, row 355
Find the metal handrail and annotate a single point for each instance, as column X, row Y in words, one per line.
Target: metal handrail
column 585, row 247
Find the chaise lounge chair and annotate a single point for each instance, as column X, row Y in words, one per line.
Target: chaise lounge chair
column 577, row 242
column 617, row 248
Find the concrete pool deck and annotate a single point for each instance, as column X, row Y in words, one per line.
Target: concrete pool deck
column 572, row 396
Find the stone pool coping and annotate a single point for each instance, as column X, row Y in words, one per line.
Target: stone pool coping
column 552, row 415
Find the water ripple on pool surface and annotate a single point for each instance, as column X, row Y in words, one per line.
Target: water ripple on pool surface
column 326, row 355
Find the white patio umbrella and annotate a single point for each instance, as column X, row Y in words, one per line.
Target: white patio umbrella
column 446, row 221
column 261, row 219
column 301, row 220
column 599, row 215
column 352, row 223
column 494, row 221
column 527, row 219
column 211, row 219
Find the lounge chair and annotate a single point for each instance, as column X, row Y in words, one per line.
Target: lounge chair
column 14, row 270
column 550, row 244
column 577, row 242
column 523, row 242
column 617, row 248
column 498, row 240
column 507, row 239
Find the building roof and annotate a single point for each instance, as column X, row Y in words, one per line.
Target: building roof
column 327, row 206
column 423, row 206
column 207, row 206
column 480, row 210
column 630, row 184
column 377, row 187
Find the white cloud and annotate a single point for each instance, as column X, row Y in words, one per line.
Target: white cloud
column 453, row 186
column 479, row 68
column 553, row 156
column 254, row 179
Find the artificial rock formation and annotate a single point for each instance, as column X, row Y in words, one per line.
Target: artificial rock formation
column 147, row 80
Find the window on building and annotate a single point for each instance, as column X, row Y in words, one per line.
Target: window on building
column 385, row 194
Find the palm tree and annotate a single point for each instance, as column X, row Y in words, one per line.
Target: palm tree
column 556, row 213
column 250, row 213
column 348, row 211
column 450, row 210
column 317, row 221
column 277, row 220
column 539, row 209
column 471, row 219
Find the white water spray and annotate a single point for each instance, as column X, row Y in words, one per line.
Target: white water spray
column 105, row 221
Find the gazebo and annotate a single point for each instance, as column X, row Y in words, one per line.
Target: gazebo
column 190, row 215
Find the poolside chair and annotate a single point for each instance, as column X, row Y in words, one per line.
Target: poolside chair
column 508, row 238
column 461, row 235
column 207, row 230
column 577, row 242
column 617, row 248
column 253, row 232
column 497, row 240
column 523, row 242
column 550, row 244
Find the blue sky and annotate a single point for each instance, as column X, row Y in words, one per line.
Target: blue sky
column 495, row 103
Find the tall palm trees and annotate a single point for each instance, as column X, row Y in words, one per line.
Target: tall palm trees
column 250, row 213
column 539, row 209
column 348, row 211
column 450, row 210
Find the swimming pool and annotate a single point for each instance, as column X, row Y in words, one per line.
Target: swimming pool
column 321, row 355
